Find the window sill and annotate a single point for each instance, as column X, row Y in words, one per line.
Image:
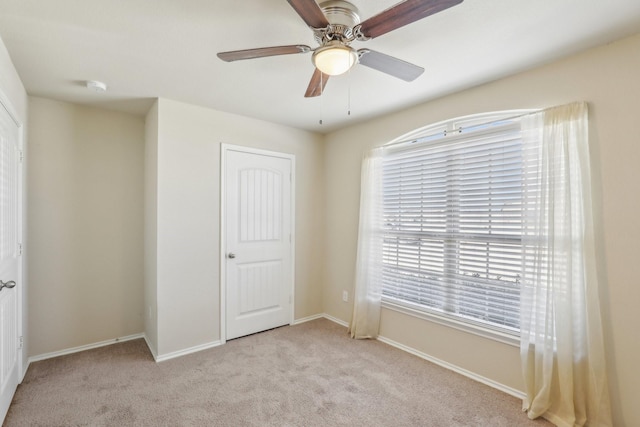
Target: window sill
column 502, row 337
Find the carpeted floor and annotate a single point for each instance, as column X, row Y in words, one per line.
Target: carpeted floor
column 311, row 374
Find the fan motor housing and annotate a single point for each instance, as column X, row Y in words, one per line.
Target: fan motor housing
column 342, row 17
column 340, row 12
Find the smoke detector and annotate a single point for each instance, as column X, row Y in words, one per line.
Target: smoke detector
column 96, row 86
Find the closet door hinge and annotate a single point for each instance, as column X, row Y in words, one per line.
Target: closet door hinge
column 20, row 249
column 20, row 341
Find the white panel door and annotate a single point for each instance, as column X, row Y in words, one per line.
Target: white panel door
column 258, row 258
column 10, row 271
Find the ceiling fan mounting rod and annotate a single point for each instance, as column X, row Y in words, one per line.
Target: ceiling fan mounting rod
column 340, row 12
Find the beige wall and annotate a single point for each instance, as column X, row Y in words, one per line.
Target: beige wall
column 150, row 308
column 188, row 214
column 85, row 225
column 609, row 79
column 13, row 95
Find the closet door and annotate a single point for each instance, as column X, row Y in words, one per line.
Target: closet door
column 258, row 254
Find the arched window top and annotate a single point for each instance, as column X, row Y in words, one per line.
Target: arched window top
column 460, row 125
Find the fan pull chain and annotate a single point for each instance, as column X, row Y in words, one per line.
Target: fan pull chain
column 349, row 93
column 321, row 99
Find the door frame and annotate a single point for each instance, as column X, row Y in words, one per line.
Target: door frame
column 22, row 312
column 224, row 149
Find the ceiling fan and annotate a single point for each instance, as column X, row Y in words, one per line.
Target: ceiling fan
column 335, row 25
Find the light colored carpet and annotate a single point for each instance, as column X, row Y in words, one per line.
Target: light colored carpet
column 311, row 374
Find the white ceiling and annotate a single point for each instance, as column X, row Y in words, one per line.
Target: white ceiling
column 145, row 49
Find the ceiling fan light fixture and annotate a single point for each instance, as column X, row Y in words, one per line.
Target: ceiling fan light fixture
column 334, row 58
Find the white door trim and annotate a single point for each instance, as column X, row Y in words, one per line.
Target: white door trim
column 13, row 114
column 224, row 149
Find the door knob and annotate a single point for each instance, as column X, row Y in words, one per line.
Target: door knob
column 10, row 284
column 231, row 255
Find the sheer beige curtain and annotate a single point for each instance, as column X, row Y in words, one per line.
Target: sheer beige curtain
column 562, row 347
column 365, row 321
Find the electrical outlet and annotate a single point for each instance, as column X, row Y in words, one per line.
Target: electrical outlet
column 345, row 296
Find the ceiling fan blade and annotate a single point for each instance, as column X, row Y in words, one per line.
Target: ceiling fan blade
column 310, row 13
column 389, row 65
column 317, row 84
column 236, row 55
column 401, row 14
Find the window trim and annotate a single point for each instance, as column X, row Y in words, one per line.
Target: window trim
column 452, row 128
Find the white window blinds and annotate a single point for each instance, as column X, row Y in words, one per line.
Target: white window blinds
column 453, row 224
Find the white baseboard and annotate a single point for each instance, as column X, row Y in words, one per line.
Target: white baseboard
column 486, row 381
column 156, row 357
column 336, row 320
column 321, row 316
column 307, row 319
column 83, row 348
column 194, row 349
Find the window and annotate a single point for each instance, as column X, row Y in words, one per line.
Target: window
column 452, row 212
